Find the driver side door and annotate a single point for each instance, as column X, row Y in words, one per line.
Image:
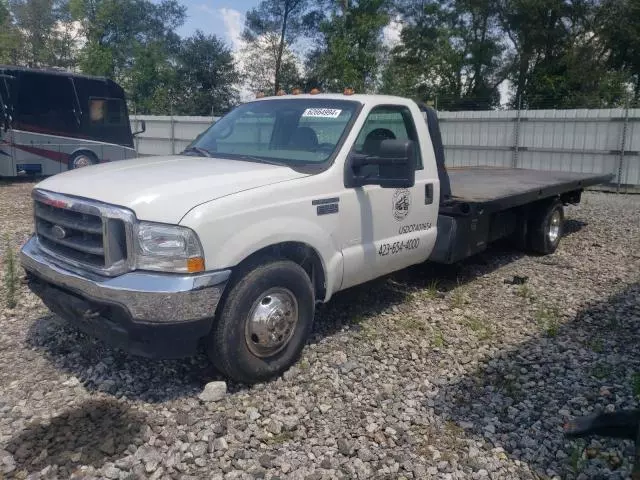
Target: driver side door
column 382, row 229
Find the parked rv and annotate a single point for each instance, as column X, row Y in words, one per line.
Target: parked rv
column 52, row 121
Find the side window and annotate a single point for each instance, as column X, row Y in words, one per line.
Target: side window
column 46, row 103
column 107, row 112
column 387, row 122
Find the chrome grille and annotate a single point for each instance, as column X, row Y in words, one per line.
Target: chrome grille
column 84, row 233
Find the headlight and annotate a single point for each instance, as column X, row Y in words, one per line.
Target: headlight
column 168, row 248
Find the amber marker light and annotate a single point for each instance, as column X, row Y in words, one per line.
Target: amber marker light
column 195, row 265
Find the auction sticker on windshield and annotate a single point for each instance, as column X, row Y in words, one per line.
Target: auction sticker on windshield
column 322, row 112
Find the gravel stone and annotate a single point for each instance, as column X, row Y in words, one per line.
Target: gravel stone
column 474, row 381
column 213, row 392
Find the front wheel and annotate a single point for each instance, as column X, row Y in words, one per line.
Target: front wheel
column 264, row 322
column 82, row 159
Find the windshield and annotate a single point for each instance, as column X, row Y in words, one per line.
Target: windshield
column 291, row 131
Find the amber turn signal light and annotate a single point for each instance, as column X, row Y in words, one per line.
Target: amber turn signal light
column 195, row 264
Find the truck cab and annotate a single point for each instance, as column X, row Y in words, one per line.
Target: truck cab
column 278, row 205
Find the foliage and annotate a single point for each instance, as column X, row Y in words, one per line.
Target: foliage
column 41, row 33
column 269, row 28
column 449, row 50
column 455, row 53
column 259, row 65
column 10, row 274
column 10, row 39
column 116, row 30
column 351, row 50
column 205, row 77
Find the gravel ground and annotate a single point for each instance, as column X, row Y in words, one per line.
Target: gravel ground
column 431, row 373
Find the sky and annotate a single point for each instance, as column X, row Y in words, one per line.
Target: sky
column 225, row 19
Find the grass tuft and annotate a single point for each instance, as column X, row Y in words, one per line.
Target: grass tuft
column 548, row 320
column 10, row 275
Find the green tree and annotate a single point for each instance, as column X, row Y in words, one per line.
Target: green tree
column 46, row 32
column 450, row 51
column 117, row 30
column 351, row 49
column 620, row 32
column 270, row 29
column 259, row 66
column 558, row 59
column 10, row 38
column 206, row 77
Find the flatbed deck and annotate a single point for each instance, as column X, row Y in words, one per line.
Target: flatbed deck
column 487, row 204
column 499, row 188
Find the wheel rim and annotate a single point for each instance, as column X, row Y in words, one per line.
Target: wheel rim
column 271, row 322
column 554, row 227
column 81, row 161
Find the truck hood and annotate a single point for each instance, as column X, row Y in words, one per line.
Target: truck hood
column 164, row 189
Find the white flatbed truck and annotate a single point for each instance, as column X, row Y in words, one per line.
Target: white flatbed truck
column 276, row 207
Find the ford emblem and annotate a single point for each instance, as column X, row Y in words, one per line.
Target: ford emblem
column 58, row 232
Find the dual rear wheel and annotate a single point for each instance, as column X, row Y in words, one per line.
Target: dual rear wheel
column 545, row 228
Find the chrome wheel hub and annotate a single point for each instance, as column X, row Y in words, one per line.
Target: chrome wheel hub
column 81, row 161
column 271, row 322
column 554, row 227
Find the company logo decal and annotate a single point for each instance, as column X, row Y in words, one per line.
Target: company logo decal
column 401, row 203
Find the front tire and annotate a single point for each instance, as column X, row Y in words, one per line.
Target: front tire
column 82, row 159
column 263, row 322
column 546, row 228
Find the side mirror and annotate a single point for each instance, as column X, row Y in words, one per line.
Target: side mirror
column 393, row 167
column 143, row 126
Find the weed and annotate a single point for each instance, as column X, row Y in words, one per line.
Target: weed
column 576, row 459
column 481, row 329
column 525, row 291
column 438, row 338
column 547, row 319
column 635, row 385
column 410, row 323
column 595, row 344
column 10, row 275
column 432, row 289
column 510, row 388
column 601, row 371
column 457, row 298
column 279, row 438
column 365, row 328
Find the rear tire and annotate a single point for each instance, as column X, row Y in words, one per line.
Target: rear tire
column 263, row 322
column 82, row 159
column 546, row 227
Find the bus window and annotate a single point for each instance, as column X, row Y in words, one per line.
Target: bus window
column 107, row 112
column 46, row 104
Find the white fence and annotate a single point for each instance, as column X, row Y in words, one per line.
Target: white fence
column 591, row 141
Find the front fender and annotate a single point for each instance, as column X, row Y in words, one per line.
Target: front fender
column 226, row 246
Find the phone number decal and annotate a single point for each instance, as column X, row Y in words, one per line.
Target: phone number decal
column 398, row 247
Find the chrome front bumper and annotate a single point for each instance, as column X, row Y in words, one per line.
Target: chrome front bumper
column 147, row 297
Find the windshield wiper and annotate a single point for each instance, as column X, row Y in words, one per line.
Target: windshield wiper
column 202, row 151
